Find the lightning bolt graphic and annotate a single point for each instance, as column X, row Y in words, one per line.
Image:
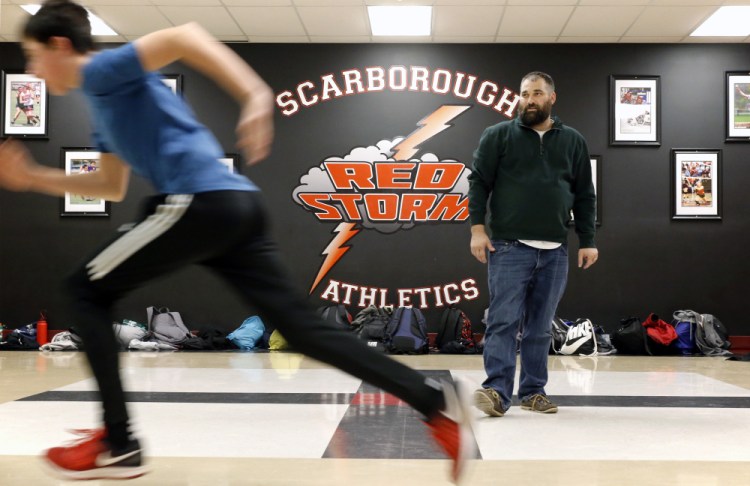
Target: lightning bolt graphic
column 429, row 126
column 335, row 250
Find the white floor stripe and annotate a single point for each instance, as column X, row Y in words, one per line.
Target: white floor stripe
column 218, row 380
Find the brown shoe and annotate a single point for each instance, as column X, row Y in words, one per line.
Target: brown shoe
column 539, row 403
column 488, row 401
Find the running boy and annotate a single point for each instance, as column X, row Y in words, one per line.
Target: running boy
column 138, row 126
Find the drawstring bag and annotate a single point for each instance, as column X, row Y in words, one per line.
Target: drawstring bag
column 248, row 334
column 166, row 326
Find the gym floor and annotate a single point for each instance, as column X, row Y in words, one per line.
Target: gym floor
column 278, row 418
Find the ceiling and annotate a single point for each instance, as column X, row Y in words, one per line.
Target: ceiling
column 462, row 21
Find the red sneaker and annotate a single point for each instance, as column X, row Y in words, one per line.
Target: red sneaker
column 92, row 457
column 452, row 429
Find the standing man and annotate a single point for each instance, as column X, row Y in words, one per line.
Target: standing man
column 203, row 215
column 532, row 170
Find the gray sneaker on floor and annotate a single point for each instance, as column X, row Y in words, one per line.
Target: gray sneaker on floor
column 488, row 401
column 539, row 403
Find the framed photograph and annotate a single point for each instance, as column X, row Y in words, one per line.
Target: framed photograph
column 232, row 162
column 696, row 184
column 81, row 160
column 635, row 114
column 25, row 102
column 596, row 175
column 738, row 106
column 174, row 81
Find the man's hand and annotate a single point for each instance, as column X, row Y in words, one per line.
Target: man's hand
column 480, row 243
column 15, row 166
column 587, row 257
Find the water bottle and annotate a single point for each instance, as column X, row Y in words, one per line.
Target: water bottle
column 41, row 329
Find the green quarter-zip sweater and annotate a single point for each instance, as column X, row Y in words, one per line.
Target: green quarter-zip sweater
column 533, row 183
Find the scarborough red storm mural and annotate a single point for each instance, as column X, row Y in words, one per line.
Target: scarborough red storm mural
column 390, row 186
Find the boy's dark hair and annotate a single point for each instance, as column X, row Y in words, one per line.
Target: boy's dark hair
column 540, row 75
column 61, row 18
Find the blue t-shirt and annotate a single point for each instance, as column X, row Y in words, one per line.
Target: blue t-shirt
column 136, row 116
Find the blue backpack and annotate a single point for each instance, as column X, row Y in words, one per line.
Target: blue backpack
column 248, row 334
column 406, row 332
column 685, row 324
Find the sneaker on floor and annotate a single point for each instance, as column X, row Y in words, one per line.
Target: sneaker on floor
column 452, row 429
column 538, row 403
column 488, row 401
column 92, row 457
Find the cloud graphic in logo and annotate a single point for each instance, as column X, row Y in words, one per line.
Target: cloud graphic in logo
column 317, row 181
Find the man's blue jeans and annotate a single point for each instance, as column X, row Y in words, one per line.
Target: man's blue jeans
column 525, row 284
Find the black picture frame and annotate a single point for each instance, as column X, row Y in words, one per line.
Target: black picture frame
column 173, row 81
column 596, row 175
column 696, row 188
column 79, row 160
column 635, row 110
column 232, row 161
column 25, row 98
column 737, row 106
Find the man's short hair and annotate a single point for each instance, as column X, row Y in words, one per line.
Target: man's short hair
column 61, row 18
column 534, row 75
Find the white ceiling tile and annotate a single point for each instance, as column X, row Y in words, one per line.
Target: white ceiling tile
column 526, row 39
column 651, row 39
column 469, row 39
column 591, row 40
column 350, row 39
column 216, row 20
column 268, row 20
column 92, row 4
column 257, row 3
column 231, row 38
column 713, row 40
column 614, row 2
column 527, row 3
column 684, row 3
column 12, row 20
column 292, row 39
column 466, row 21
column 335, row 21
column 183, row 3
column 467, row 3
column 326, row 3
column 133, row 20
column 526, row 21
column 669, row 21
column 109, row 38
column 600, row 21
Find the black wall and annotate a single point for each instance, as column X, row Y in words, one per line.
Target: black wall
column 648, row 263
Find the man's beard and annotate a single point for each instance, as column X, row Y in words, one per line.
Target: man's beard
column 532, row 118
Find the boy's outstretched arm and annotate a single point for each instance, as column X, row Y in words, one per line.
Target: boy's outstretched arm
column 191, row 44
column 19, row 172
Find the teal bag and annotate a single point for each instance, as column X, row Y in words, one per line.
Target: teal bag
column 248, row 334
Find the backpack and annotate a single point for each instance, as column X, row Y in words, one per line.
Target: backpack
column 559, row 333
column 370, row 325
column 630, row 338
column 248, row 334
column 454, row 334
column 660, row 335
column 166, row 327
column 127, row 330
column 711, row 337
column 277, row 342
column 685, row 324
column 406, row 332
column 580, row 339
column 337, row 316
